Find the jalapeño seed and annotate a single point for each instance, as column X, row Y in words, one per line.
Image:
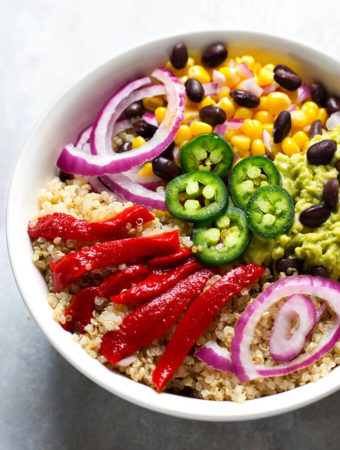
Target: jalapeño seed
column 322, row 152
column 179, row 56
column 314, row 216
column 330, row 192
column 315, row 128
column 213, row 115
column 244, row 98
column 282, row 126
column 194, row 90
column 214, row 55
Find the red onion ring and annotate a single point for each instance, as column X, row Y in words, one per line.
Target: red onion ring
column 333, row 120
column 251, row 86
column 215, row 356
column 303, row 93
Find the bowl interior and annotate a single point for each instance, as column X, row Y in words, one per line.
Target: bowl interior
column 75, row 110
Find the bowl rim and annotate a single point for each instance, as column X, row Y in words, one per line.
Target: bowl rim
column 135, row 392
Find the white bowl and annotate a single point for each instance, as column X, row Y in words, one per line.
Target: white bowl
column 60, row 125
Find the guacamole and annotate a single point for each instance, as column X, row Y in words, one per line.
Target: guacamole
column 314, row 246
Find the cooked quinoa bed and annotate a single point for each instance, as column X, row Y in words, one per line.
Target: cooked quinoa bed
column 193, row 378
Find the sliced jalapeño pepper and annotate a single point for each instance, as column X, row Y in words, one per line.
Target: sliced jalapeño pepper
column 196, row 196
column 224, row 239
column 270, row 211
column 208, row 152
column 248, row 175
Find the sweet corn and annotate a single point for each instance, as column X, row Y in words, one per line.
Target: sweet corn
column 265, row 77
column 277, row 102
column 230, row 133
column 190, row 114
column 243, row 113
column 231, row 76
column 257, row 147
column 224, row 93
column 183, row 134
column 270, row 67
column 249, row 60
column 151, row 103
column 252, row 129
column 301, row 138
column 138, row 142
column 289, row 146
column 146, row 170
column 206, row 102
column 311, row 110
column 199, row 73
column 199, row 127
column 268, row 127
column 322, row 115
column 160, row 113
column 298, row 119
column 180, row 72
column 264, row 117
column 228, row 106
column 241, row 142
column 257, row 67
column 263, row 105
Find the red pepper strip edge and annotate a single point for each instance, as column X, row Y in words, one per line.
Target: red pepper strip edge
column 68, row 227
column 83, row 304
column 169, row 261
column 153, row 319
column 156, row 282
column 110, row 253
column 198, row 317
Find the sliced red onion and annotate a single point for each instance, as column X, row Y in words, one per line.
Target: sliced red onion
column 83, row 138
column 236, row 158
column 150, row 118
column 251, row 86
column 215, row 356
column 176, row 154
column 120, row 126
column 149, row 182
column 244, row 329
column 283, row 345
column 210, row 88
column 318, row 315
column 234, row 124
column 126, row 361
column 219, row 79
column 303, row 93
column 267, row 140
column 221, row 129
column 291, row 108
column 244, row 71
column 271, row 88
column 96, row 185
column 333, row 120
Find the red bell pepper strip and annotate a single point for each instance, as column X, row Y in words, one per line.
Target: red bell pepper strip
column 199, row 316
column 157, row 282
column 153, row 319
column 83, row 304
column 68, row 227
column 110, row 253
column 166, row 262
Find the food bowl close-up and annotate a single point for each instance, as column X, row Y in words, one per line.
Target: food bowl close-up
column 74, row 111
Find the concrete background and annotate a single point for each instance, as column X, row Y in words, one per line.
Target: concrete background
column 44, row 46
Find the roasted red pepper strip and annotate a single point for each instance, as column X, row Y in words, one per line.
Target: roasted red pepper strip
column 166, row 262
column 199, row 316
column 106, row 254
column 157, row 282
column 153, row 319
column 82, row 305
column 68, row 227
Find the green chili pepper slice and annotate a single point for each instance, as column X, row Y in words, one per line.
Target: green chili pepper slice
column 248, row 175
column 224, row 239
column 270, row 211
column 196, row 196
column 208, row 152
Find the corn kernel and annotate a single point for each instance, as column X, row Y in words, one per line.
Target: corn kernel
column 138, row 142
column 252, row 129
column 183, row 79
column 180, row 72
column 265, row 77
column 264, row 116
column 257, row 147
column 230, row 133
column 277, row 102
column 206, row 102
column 241, row 142
column 228, row 106
column 263, row 105
column 231, row 76
column 301, row 138
column 243, row 113
column 298, row 119
column 237, row 60
column 146, row 170
column 257, row 67
column 224, row 93
column 270, row 67
column 151, row 103
column 289, row 146
column 268, row 127
column 190, row 114
column 160, row 113
column 322, row 115
column 249, row 60
column 199, row 127
column 311, row 110
column 199, row 73
column 183, row 134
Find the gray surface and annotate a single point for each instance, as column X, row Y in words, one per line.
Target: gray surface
column 44, row 402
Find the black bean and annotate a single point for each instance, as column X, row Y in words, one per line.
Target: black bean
column 144, row 129
column 179, row 56
column 315, row 128
column 135, row 109
column 168, row 152
column 245, row 98
column 214, row 55
column 124, row 147
column 322, row 152
column 318, row 93
column 314, row 216
column 165, row 169
column 213, row 115
column 65, row 176
column 337, row 166
column 286, row 77
column 194, row 90
column 330, row 192
column 288, row 265
column 319, row 271
column 282, row 126
column 333, row 104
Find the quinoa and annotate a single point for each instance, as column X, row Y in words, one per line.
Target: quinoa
column 193, row 377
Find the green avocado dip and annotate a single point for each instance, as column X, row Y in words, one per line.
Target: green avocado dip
column 314, row 246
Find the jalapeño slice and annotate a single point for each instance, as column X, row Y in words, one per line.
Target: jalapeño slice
column 248, row 175
column 196, row 196
column 270, row 211
column 224, row 239
column 208, row 152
